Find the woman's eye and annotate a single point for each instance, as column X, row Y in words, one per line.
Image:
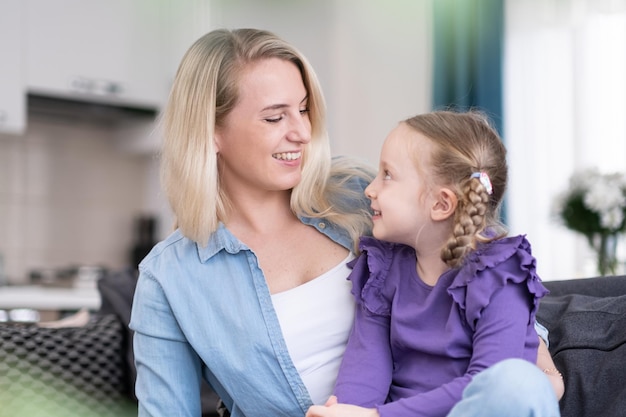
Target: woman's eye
column 274, row 119
column 304, row 111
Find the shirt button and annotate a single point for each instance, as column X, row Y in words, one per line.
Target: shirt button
column 322, row 225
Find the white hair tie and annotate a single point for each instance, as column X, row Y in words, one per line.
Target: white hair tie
column 483, row 177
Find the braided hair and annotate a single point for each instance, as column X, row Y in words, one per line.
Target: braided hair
column 466, row 145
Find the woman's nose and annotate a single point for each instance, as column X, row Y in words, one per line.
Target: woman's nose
column 300, row 129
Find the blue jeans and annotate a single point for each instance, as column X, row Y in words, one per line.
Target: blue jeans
column 511, row 388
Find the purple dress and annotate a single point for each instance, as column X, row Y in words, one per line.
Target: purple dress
column 413, row 347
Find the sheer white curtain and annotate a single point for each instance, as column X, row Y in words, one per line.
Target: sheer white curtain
column 564, row 110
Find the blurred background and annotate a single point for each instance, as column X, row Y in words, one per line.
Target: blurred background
column 81, row 82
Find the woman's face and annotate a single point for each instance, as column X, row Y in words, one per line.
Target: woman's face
column 261, row 142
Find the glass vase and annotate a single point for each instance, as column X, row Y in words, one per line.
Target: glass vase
column 606, row 251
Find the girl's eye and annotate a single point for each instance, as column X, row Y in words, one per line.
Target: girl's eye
column 386, row 175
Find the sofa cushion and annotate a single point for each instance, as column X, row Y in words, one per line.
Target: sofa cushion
column 588, row 344
column 75, row 371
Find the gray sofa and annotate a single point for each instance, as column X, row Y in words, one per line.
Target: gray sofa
column 587, row 323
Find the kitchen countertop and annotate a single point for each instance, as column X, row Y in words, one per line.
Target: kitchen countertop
column 49, row 298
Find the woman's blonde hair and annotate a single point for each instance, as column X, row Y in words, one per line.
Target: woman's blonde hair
column 466, row 143
column 205, row 90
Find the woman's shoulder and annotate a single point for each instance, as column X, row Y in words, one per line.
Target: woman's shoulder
column 173, row 240
column 371, row 276
column 177, row 252
column 164, row 256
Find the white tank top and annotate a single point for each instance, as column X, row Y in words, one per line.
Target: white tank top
column 316, row 318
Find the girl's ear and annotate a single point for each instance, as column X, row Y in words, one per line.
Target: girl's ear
column 445, row 204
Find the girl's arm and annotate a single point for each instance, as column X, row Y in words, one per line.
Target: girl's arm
column 365, row 372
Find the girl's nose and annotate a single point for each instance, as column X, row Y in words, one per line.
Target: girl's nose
column 370, row 192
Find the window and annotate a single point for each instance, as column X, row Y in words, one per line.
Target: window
column 564, row 110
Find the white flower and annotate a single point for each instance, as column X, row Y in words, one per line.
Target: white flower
column 612, row 219
column 604, row 195
column 580, row 180
column 595, row 205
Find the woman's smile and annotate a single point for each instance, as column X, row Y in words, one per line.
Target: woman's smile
column 287, row 156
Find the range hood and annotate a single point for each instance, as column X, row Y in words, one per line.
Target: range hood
column 76, row 110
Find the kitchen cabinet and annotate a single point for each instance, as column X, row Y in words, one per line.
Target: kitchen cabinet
column 108, row 51
column 12, row 89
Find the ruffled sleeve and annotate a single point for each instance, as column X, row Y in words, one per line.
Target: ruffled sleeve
column 489, row 268
column 369, row 272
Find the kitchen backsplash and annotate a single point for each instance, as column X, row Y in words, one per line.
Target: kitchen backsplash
column 70, row 196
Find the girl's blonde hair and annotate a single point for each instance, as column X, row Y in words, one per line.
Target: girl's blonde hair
column 466, row 143
column 205, row 90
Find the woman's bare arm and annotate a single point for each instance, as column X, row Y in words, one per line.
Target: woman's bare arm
column 546, row 364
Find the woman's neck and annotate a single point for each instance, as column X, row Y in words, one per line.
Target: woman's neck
column 259, row 214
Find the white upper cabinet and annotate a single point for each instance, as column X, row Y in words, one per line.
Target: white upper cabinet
column 12, row 99
column 108, row 51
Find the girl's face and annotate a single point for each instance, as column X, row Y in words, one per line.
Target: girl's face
column 400, row 193
column 262, row 140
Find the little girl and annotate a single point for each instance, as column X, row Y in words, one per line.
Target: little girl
column 441, row 293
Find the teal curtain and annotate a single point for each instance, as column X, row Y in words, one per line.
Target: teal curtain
column 468, row 49
column 468, row 52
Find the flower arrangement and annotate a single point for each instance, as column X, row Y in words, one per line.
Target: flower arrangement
column 595, row 206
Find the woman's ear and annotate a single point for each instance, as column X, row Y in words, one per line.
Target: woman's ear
column 216, row 141
column 445, row 204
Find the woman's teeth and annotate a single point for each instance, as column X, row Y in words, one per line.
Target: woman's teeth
column 287, row 156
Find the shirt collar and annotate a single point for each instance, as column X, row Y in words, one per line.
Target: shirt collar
column 222, row 239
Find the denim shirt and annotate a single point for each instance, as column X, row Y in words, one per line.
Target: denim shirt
column 196, row 306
